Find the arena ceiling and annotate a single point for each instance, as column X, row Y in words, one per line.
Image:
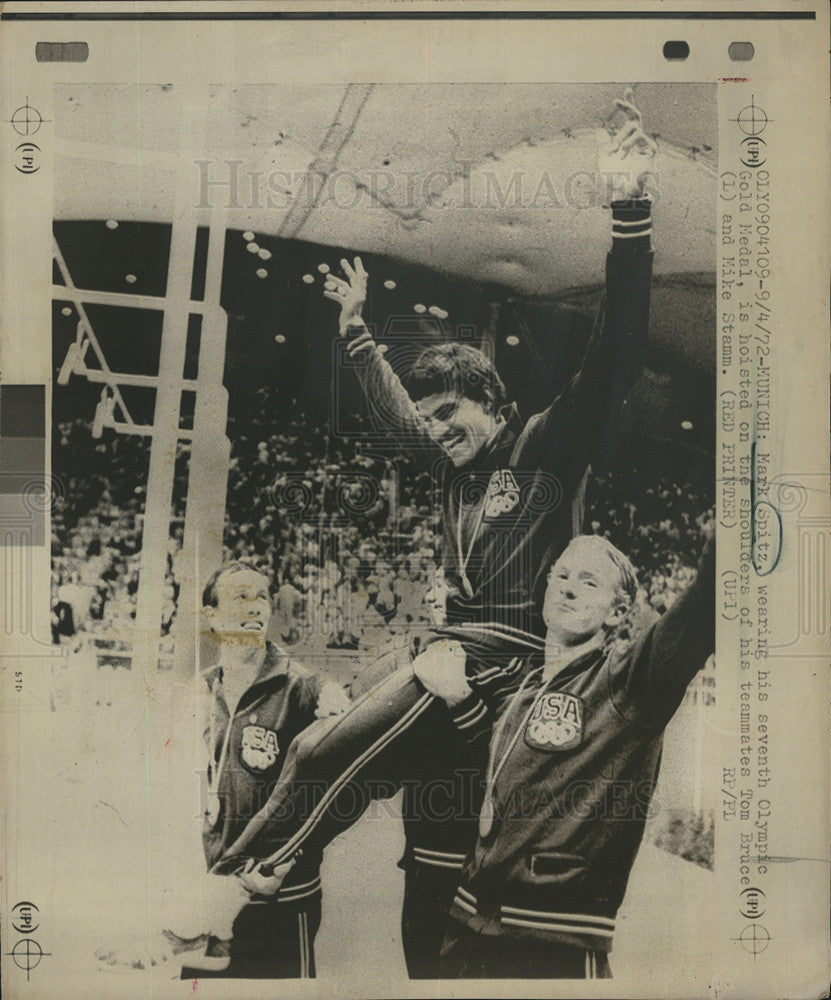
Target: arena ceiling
column 491, row 183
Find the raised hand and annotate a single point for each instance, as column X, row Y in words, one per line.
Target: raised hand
column 350, row 294
column 628, row 160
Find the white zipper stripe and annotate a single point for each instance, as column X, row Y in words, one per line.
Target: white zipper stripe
column 546, row 914
column 541, row 925
column 291, row 846
column 631, row 236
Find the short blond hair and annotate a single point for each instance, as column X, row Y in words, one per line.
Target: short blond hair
column 627, row 585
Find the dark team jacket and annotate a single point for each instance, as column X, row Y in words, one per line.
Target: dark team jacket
column 518, row 503
column 279, row 704
column 579, row 758
column 514, row 501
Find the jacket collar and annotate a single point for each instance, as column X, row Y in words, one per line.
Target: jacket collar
column 503, row 440
column 584, row 662
column 274, row 665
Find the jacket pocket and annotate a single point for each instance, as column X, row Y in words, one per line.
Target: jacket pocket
column 559, row 867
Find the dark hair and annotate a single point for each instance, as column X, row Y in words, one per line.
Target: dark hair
column 459, row 368
column 210, row 598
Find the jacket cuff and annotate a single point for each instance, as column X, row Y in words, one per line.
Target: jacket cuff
column 631, row 225
column 359, row 337
column 469, row 714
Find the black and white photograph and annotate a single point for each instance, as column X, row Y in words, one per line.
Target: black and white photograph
column 391, row 421
column 448, row 486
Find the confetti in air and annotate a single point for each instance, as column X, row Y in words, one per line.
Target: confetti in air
column 261, row 272
column 389, row 284
column 309, row 279
column 112, row 224
column 323, row 268
column 512, row 341
column 438, row 312
column 66, row 311
column 130, row 279
column 264, row 254
column 248, row 236
column 419, row 308
column 252, row 248
column 686, row 425
column 280, row 338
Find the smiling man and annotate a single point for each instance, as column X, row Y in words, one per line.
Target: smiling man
column 572, row 765
column 258, row 701
column 511, row 494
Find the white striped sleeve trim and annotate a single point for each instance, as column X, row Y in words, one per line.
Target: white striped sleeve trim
column 295, row 892
column 632, row 236
column 492, row 673
column 481, row 712
column 550, row 926
column 547, row 914
column 469, row 712
column 461, row 891
column 454, row 855
column 465, row 715
column 360, row 343
column 631, row 223
column 464, row 905
column 436, row 863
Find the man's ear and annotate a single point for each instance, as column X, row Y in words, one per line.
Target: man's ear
column 616, row 616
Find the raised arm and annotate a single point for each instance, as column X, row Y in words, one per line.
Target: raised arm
column 648, row 683
column 392, row 409
column 580, row 422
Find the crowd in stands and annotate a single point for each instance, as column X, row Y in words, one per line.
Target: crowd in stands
column 349, row 538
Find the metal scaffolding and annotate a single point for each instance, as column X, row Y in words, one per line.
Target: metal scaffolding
column 207, row 441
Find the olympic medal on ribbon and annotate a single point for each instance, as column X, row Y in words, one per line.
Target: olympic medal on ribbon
column 486, row 817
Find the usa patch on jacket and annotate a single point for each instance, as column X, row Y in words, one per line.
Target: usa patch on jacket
column 259, row 748
column 503, row 493
column 556, row 722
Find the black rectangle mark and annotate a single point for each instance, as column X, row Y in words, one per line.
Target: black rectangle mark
column 22, row 411
column 76, row 52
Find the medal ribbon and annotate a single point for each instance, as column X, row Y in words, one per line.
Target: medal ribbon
column 487, row 812
column 214, row 769
column 464, row 560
